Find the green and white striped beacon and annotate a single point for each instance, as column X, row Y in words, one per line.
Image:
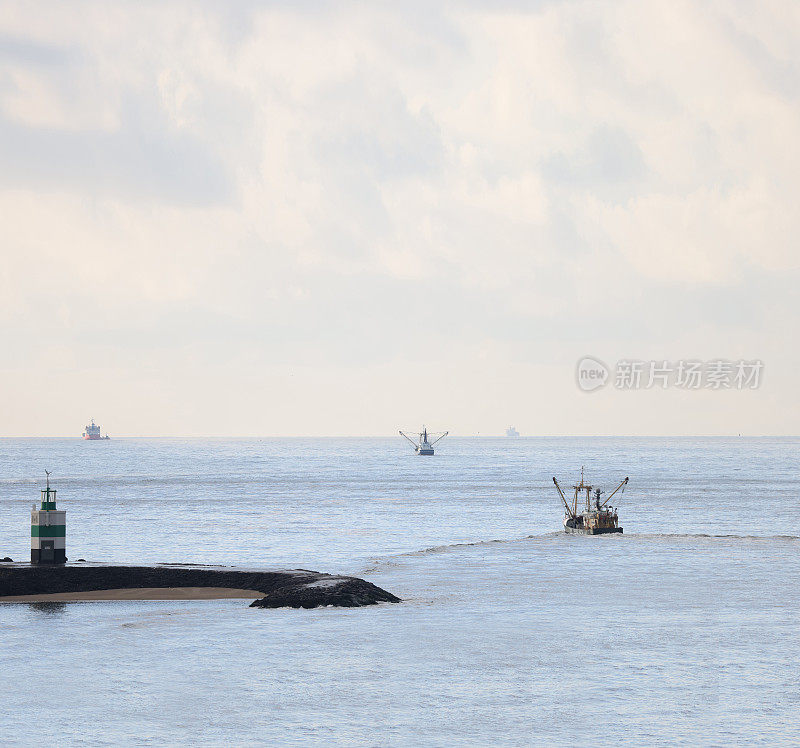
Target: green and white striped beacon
column 48, row 530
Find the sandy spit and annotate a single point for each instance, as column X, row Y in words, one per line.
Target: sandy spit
column 139, row 593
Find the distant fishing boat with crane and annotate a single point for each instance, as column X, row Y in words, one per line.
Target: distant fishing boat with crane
column 597, row 519
column 423, row 443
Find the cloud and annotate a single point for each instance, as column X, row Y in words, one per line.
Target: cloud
column 386, row 184
column 607, row 159
column 31, row 53
column 133, row 162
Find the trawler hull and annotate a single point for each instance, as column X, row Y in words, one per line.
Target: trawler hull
column 591, row 530
column 427, row 452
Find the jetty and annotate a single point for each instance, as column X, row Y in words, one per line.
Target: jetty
column 49, row 578
column 294, row 588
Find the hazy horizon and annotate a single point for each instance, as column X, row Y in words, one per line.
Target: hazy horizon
column 272, row 219
column 366, row 437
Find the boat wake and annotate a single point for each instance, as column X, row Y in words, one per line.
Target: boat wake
column 388, row 561
column 378, row 563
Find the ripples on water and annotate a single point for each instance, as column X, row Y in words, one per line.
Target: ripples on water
column 685, row 629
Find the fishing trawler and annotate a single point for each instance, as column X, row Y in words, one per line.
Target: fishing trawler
column 511, row 431
column 92, row 432
column 594, row 520
column 423, row 444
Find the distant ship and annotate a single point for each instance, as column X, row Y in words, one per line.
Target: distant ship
column 511, row 431
column 594, row 520
column 423, row 445
column 92, row 432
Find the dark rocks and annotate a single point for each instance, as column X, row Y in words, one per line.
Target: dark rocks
column 343, row 592
column 296, row 588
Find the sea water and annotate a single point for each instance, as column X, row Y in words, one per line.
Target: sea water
column 683, row 630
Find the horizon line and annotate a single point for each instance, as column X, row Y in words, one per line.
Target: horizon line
column 477, row 435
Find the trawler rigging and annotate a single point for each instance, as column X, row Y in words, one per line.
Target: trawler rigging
column 423, row 444
column 594, row 520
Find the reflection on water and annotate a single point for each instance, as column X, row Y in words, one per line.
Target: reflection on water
column 47, row 608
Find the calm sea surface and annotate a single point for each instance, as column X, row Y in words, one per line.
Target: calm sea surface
column 685, row 630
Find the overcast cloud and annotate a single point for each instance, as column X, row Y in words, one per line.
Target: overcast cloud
column 319, row 218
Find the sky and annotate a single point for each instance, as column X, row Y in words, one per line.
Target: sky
column 322, row 219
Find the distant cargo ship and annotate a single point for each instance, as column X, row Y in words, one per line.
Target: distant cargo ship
column 92, row 432
column 511, row 431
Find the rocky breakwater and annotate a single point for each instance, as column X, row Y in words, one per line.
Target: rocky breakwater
column 295, row 588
